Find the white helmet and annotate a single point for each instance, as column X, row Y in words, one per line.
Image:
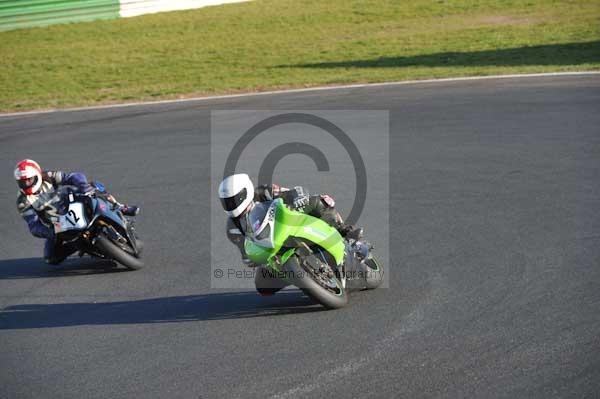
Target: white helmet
column 236, row 193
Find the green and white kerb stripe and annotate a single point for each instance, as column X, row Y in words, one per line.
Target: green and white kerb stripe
column 16, row 14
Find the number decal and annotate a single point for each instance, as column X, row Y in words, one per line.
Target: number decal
column 74, row 215
column 72, row 220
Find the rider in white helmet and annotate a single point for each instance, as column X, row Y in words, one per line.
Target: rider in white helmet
column 238, row 196
column 32, row 182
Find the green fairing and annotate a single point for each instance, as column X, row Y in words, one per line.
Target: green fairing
column 290, row 223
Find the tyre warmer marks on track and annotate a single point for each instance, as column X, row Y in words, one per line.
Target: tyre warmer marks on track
column 411, row 324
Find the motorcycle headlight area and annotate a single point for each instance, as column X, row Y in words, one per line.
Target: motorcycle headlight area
column 260, row 224
column 265, row 233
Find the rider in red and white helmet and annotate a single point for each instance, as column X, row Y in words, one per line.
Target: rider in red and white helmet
column 34, row 181
column 29, row 176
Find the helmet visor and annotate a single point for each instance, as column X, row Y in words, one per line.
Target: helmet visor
column 27, row 183
column 231, row 203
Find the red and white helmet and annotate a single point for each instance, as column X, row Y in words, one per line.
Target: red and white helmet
column 29, row 176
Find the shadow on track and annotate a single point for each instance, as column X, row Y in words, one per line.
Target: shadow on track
column 219, row 306
column 14, row 269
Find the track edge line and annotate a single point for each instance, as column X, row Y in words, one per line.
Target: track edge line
column 293, row 91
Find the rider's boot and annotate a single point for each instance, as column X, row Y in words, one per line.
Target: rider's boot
column 350, row 231
column 130, row 210
column 334, row 218
column 127, row 210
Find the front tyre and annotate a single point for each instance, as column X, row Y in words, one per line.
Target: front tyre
column 112, row 251
column 331, row 296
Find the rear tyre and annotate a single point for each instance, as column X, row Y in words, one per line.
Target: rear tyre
column 374, row 272
column 112, row 251
column 331, row 299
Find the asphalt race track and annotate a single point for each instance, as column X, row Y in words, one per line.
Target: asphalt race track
column 495, row 246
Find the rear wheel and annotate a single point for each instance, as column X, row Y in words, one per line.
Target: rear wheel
column 328, row 291
column 113, row 251
column 374, row 272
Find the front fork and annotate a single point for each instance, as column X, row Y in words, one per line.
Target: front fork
column 124, row 242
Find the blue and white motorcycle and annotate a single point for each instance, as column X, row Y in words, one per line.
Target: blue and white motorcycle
column 94, row 226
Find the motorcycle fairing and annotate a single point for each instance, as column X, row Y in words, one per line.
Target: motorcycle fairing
column 289, row 223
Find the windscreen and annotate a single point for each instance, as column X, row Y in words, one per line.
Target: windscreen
column 55, row 202
column 257, row 215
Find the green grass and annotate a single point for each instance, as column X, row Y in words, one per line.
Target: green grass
column 271, row 44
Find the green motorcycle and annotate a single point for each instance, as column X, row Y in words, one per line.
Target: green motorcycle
column 306, row 252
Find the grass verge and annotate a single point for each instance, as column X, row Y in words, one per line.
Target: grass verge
column 274, row 44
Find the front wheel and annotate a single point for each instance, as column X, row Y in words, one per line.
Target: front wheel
column 112, row 251
column 331, row 294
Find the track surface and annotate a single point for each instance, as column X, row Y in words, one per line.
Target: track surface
column 495, row 280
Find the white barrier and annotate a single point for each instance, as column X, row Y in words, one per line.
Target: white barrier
column 133, row 8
